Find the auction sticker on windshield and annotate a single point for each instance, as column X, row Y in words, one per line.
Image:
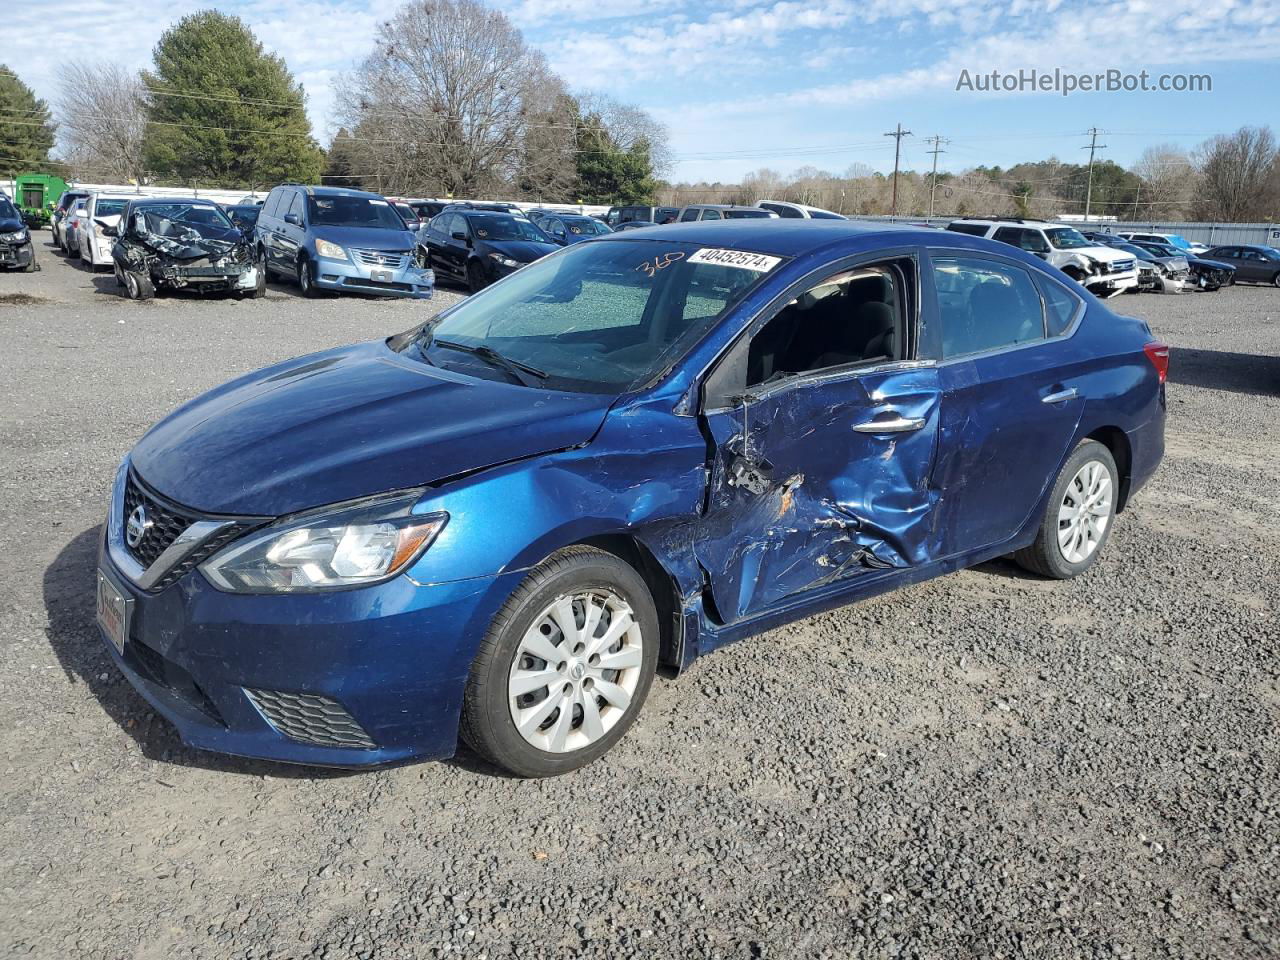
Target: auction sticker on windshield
column 736, row 258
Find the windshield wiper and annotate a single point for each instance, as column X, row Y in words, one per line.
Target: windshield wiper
column 518, row 369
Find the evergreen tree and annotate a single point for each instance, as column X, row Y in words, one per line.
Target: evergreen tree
column 610, row 174
column 26, row 131
column 224, row 110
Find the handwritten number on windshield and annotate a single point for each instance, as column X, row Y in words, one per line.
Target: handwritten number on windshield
column 650, row 267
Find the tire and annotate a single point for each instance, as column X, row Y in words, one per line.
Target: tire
column 1076, row 485
column 306, row 277
column 1275, row 281
column 260, row 290
column 475, row 277
column 31, row 267
column 580, row 576
column 119, row 276
column 138, row 285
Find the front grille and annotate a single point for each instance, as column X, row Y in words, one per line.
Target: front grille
column 1120, row 266
column 384, row 259
column 199, row 555
column 167, row 521
column 310, row 718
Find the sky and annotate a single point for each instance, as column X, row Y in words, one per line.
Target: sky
column 743, row 84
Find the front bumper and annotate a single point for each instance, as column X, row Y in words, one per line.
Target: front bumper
column 1111, row 284
column 409, row 280
column 17, row 255
column 350, row 678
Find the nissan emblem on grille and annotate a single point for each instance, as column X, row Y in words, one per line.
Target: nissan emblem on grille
column 137, row 527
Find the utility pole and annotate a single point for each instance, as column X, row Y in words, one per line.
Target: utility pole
column 1093, row 146
column 897, row 154
column 937, row 142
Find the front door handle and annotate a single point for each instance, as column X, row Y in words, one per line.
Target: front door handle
column 1058, row 397
column 898, row 424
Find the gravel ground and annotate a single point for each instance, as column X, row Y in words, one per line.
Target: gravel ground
column 986, row 765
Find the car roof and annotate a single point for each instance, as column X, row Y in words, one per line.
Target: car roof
column 333, row 191
column 792, row 238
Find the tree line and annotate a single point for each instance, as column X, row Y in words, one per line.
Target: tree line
column 451, row 102
column 1231, row 177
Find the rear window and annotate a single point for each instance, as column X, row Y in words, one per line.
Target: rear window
column 972, row 229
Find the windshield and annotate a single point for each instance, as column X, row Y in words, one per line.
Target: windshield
column 586, row 226
column 406, row 212
column 182, row 222
column 7, row 211
column 339, row 211
column 501, row 226
column 1065, row 238
column 598, row 317
column 1136, row 251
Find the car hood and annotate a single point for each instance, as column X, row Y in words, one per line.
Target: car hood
column 366, row 238
column 349, row 423
column 1105, row 254
column 526, row 251
column 1211, row 264
column 10, row 224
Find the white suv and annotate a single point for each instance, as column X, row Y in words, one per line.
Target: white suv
column 1104, row 271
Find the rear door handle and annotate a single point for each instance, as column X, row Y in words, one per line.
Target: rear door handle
column 898, row 424
column 1058, row 397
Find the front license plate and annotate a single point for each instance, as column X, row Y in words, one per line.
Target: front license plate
column 113, row 612
column 384, row 276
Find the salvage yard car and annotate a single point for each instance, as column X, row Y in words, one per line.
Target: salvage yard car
column 17, row 252
column 628, row 453
column 101, row 209
column 478, row 246
column 1253, row 263
column 328, row 238
column 1102, row 270
column 175, row 244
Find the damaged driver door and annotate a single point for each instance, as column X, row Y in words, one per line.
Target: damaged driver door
column 822, row 430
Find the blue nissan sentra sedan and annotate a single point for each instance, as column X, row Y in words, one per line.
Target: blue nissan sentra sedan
column 499, row 523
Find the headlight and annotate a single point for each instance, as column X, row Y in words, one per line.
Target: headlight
column 345, row 546
column 505, row 261
column 18, row 236
column 330, row 250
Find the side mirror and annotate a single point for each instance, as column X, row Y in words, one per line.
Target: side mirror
column 107, row 229
column 459, row 235
column 293, row 218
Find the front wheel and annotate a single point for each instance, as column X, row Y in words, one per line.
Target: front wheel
column 565, row 666
column 138, row 285
column 307, row 277
column 475, row 277
column 1079, row 516
column 1275, row 281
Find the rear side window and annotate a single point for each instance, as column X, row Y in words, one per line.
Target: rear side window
column 972, row 229
column 780, row 210
column 985, row 305
column 688, row 215
column 1061, row 306
column 710, row 214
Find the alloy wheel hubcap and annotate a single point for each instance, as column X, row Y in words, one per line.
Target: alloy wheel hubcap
column 132, row 283
column 576, row 670
column 1085, row 512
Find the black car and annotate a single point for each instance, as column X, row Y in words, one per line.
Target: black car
column 244, row 215
column 1254, row 263
column 477, row 247
column 179, row 244
column 1206, row 274
column 17, row 252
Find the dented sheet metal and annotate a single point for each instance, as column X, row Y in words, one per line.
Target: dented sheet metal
column 800, row 499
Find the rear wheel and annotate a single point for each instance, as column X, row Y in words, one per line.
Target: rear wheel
column 1079, row 515
column 565, row 666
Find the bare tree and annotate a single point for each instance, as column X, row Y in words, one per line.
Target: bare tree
column 1236, row 171
column 103, row 120
column 1168, row 182
column 444, row 103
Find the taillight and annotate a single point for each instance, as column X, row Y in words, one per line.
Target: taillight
column 1158, row 354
